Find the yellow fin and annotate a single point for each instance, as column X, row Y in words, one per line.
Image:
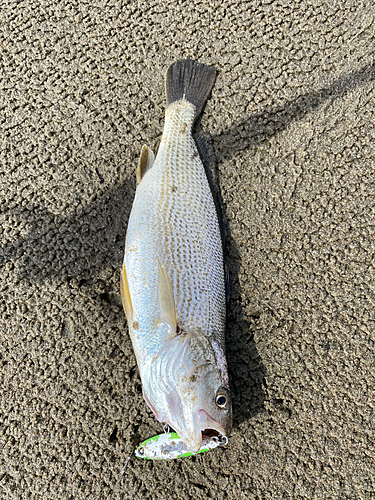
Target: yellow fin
column 125, row 296
column 146, row 160
column 166, row 298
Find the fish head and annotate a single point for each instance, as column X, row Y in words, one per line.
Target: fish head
column 187, row 386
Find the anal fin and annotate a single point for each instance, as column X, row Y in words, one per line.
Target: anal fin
column 125, row 296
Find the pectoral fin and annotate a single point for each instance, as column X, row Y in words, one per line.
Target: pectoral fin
column 125, row 296
column 166, row 298
column 146, row 160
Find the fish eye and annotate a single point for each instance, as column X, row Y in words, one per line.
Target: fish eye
column 222, row 398
column 221, row 401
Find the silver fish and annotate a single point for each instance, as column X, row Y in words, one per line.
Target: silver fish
column 172, row 281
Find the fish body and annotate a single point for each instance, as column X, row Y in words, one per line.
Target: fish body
column 173, row 284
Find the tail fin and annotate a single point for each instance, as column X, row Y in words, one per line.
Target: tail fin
column 191, row 81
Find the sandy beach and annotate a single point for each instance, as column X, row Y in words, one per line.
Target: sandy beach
column 290, row 137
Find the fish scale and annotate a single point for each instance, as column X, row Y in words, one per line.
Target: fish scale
column 174, row 218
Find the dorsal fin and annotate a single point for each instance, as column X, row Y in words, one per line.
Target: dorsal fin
column 146, row 160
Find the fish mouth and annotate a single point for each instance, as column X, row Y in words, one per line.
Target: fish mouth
column 204, row 426
column 210, row 433
column 208, row 426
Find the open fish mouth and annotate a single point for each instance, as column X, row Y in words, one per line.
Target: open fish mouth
column 208, row 426
column 210, row 433
column 205, row 426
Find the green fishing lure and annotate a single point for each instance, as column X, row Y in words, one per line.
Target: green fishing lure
column 170, row 446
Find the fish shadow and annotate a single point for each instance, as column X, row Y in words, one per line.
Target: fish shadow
column 247, row 372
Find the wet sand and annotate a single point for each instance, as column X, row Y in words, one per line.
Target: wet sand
column 290, row 134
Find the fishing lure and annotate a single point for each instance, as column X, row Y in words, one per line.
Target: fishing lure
column 169, row 446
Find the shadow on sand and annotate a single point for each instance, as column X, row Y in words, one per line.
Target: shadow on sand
column 248, row 374
column 79, row 246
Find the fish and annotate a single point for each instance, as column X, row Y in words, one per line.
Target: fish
column 173, row 279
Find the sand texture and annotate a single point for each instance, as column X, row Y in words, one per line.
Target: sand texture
column 290, row 135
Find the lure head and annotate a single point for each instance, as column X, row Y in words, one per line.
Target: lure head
column 186, row 385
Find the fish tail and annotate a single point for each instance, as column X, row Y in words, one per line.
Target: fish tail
column 190, row 81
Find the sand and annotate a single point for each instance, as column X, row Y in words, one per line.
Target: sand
column 290, row 134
